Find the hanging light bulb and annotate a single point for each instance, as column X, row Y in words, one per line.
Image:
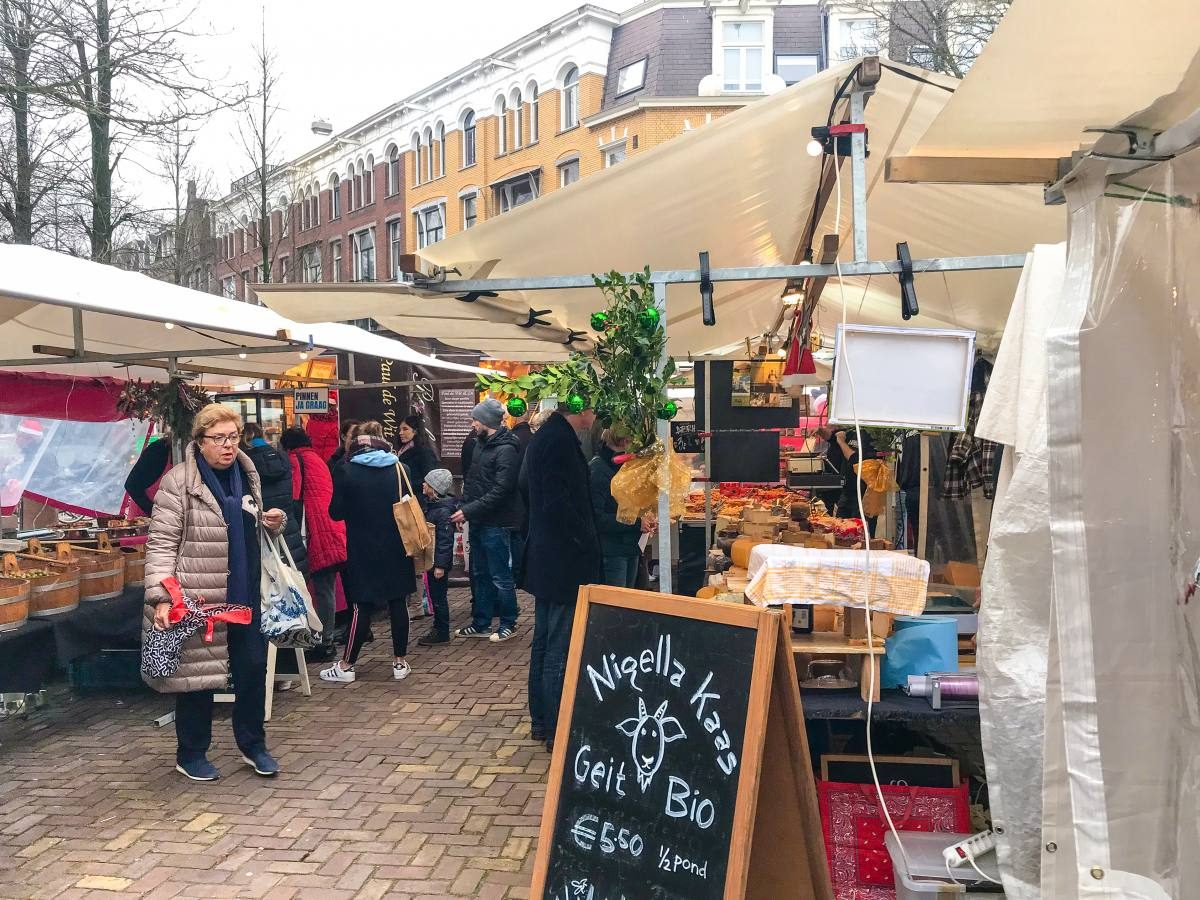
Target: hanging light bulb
column 814, row 148
column 303, row 354
column 242, row 355
column 168, row 325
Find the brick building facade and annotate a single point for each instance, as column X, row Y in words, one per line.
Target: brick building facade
column 582, row 93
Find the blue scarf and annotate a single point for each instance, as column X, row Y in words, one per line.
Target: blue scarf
column 238, row 590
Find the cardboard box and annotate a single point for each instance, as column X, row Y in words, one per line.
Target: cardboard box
column 961, row 574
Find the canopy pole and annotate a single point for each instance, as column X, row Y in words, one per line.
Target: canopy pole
column 77, row 330
column 858, row 174
column 663, row 430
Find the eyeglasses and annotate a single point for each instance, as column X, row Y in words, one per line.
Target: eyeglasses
column 224, row 440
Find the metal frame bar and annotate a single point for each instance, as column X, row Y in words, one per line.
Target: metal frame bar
column 752, row 273
column 663, row 429
column 64, row 356
column 858, row 174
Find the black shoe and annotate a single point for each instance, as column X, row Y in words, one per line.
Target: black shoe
column 550, row 745
column 433, row 637
column 321, row 654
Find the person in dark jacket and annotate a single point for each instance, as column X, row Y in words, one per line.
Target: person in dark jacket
column 619, row 543
column 493, row 508
column 521, row 430
column 440, row 507
column 467, row 454
column 415, row 451
column 275, row 473
column 151, row 466
column 379, row 573
column 347, row 437
column 561, row 554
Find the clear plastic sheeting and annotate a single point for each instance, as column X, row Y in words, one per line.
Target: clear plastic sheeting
column 1015, row 617
column 75, row 466
column 1124, row 475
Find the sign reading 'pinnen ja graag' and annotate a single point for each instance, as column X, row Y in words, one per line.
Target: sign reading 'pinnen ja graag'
column 311, row 400
column 658, row 755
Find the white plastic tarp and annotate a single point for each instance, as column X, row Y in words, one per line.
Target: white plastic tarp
column 124, row 312
column 742, row 188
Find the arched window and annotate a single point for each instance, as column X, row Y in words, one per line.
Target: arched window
column 393, row 170
column 335, row 196
column 531, row 92
column 427, row 147
column 316, row 203
column 416, row 158
column 570, row 98
column 368, row 180
column 305, row 212
column 501, row 126
column 439, row 139
column 468, row 130
column 517, row 111
column 285, row 215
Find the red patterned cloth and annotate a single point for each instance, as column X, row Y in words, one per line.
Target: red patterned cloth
column 854, row 827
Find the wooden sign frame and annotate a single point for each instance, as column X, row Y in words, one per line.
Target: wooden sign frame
column 778, row 847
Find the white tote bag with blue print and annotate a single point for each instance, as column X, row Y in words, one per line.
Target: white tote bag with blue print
column 288, row 618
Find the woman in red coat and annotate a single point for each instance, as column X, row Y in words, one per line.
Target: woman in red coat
column 312, row 484
column 322, row 431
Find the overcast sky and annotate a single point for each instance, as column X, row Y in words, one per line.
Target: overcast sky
column 344, row 60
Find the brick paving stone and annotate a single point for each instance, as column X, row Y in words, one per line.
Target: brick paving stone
column 429, row 788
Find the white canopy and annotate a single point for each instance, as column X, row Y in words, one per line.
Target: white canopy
column 1027, row 100
column 742, row 188
column 125, row 313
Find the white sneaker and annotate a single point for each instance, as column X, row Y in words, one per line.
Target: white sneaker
column 337, row 674
column 399, row 670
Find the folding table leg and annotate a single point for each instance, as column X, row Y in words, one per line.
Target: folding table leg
column 272, row 652
column 305, row 684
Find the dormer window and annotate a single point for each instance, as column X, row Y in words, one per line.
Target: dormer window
column 744, row 49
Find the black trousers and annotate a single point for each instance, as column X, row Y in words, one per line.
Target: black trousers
column 360, row 623
column 194, row 709
column 439, row 598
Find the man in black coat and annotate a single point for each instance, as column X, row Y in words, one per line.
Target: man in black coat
column 275, row 473
column 493, row 508
column 562, row 552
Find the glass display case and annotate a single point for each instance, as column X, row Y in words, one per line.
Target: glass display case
column 264, row 407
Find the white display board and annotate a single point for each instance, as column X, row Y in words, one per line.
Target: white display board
column 902, row 377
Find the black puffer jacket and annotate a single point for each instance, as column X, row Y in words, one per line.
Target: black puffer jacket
column 275, row 473
column 437, row 514
column 490, row 495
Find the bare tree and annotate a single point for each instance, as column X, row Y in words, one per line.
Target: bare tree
column 187, row 227
column 260, row 142
column 132, row 79
column 940, row 35
column 33, row 133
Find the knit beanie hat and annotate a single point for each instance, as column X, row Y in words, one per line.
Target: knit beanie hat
column 441, row 481
column 489, row 413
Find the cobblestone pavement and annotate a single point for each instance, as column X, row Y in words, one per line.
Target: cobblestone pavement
column 425, row 788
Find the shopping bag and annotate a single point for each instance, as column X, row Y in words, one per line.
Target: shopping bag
column 854, row 827
column 423, row 558
column 288, row 618
column 410, row 518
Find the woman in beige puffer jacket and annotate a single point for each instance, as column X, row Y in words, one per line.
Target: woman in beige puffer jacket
column 189, row 540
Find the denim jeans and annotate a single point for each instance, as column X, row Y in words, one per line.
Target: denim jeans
column 193, row 709
column 492, row 577
column 620, row 571
column 548, row 662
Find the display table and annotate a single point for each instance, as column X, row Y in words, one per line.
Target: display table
column 820, row 644
column 26, row 657
column 96, row 625
column 892, row 706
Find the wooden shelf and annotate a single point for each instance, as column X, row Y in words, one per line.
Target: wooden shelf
column 835, row 643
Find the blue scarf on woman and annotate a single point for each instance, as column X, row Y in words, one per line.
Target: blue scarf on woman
column 231, row 509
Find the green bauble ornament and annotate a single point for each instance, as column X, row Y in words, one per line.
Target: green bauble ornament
column 668, row 410
column 649, row 317
column 516, row 407
column 575, row 404
column 599, row 321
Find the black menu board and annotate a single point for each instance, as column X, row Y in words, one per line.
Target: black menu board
column 455, row 405
column 653, row 761
column 685, row 438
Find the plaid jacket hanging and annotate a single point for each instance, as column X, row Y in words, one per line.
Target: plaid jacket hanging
column 972, row 462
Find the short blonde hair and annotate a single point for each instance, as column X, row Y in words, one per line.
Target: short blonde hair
column 211, row 415
column 371, row 427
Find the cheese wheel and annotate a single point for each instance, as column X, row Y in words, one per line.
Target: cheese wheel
column 740, row 552
column 708, row 592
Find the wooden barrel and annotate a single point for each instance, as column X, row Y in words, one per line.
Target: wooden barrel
column 14, row 603
column 101, row 571
column 50, row 594
column 135, row 565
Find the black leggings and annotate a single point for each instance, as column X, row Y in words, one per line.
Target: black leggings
column 360, row 624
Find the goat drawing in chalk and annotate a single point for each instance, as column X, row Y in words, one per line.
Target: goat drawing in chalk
column 651, row 734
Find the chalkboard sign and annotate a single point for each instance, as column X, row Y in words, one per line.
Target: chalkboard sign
column 659, row 768
column 686, row 438
column 725, row 414
column 455, row 406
